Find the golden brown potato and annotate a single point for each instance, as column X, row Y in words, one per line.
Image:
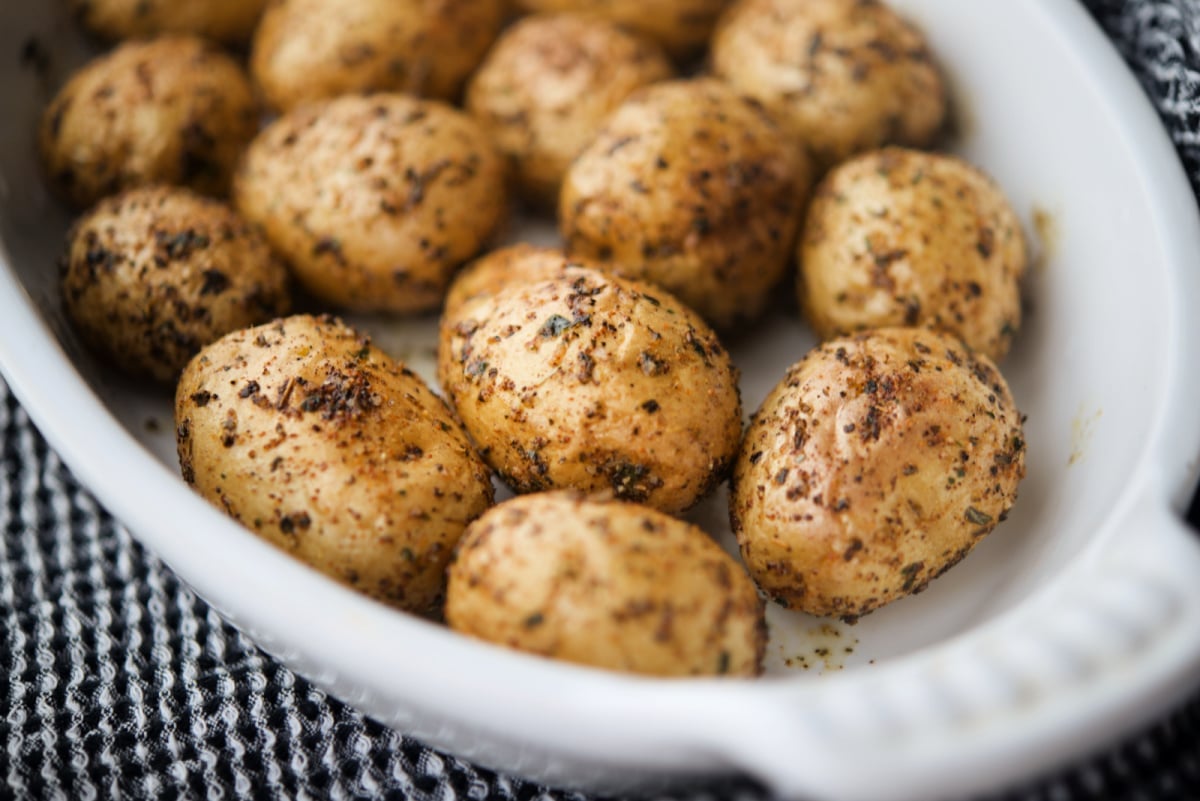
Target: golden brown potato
column 592, row 382
column 874, row 466
column 172, row 110
column 692, row 187
column 153, row 274
column 681, row 26
column 323, row 445
column 487, row 275
column 374, row 200
column 230, row 21
column 844, row 75
column 606, row 584
column 899, row 237
column 306, row 50
column 548, row 84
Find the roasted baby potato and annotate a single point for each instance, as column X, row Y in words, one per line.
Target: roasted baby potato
column 877, row 463
column 844, row 75
column 374, row 200
column 607, row 584
column 306, row 50
column 230, row 21
column 680, row 26
column 318, row 442
column 690, row 186
column 172, row 110
column 899, row 237
column 593, row 382
column 548, row 84
column 488, row 275
column 153, row 274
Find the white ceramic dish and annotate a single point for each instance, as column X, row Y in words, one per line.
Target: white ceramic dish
column 1077, row 620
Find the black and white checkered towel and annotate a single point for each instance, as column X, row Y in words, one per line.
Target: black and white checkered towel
column 117, row 682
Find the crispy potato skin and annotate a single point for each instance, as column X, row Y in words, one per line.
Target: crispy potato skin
column 374, row 200
column 230, row 21
column 592, row 382
column 844, row 75
column 877, row 463
column 681, row 26
column 899, row 237
column 323, row 445
column 171, row 110
column 306, row 50
column 606, row 584
column 153, row 274
column 546, row 87
column 692, row 187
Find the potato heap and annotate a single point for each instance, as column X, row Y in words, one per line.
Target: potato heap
column 589, row 377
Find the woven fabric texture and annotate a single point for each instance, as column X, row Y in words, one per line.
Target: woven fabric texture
column 117, row 682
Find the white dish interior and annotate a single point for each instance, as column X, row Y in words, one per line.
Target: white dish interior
column 1113, row 431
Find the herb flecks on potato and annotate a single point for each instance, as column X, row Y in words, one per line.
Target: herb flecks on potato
column 876, row 464
column 607, row 584
column 311, row 437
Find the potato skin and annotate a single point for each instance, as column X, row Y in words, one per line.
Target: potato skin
column 605, row 584
column 844, row 75
column 876, row 464
column 306, row 50
column 546, row 87
column 229, row 21
column 374, row 200
column 690, row 186
column 593, row 382
column 323, row 445
column 899, row 237
column 489, row 274
column 153, row 274
column 681, row 26
column 171, row 110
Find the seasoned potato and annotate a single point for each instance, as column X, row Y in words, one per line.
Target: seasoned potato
column 487, row 275
column 899, row 237
column 307, row 50
column 173, row 110
column 374, row 200
column 606, row 584
column 844, row 75
column 548, row 84
column 321, row 444
column 229, row 21
column 681, row 26
column 690, row 186
column 153, row 274
column 592, row 382
column 876, row 464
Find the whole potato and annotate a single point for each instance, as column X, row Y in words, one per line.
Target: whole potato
column 306, row 50
column 876, row 464
column 548, row 84
column 844, row 75
column 606, row 584
column 230, row 21
column 172, row 110
column 374, row 200
column 153, row 274
column 489, row 274
column 592, row 382
column 690, row 186
column 680, row 26
column 900, row 237
column 323, row 445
